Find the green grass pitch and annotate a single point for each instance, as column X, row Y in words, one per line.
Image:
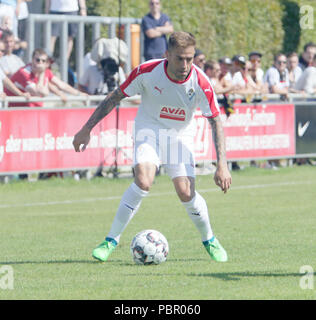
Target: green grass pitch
column 266, row 222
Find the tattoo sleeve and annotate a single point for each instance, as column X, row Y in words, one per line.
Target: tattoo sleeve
column 219, row 138
column 105, row 107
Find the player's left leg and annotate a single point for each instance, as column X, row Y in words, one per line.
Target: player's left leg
column 197, row 210
column 194, row 204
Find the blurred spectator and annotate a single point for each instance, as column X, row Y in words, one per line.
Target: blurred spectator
column 294, row 70
column 199, row 59
column 213, row 70
column 5, row 82
column 307, row 81
column 256, row 72
column 238, row 61
column 2, row 48
column 6, row 25
column 277, row 76
column 23, row 13
column 155, row 25
column 67, row 7
column 10, row 63
column 306, row 58
column 225, row 76
column 87, row 61
column 37, row 79
column 255, row 59
column 242, row 81
column 9, row 8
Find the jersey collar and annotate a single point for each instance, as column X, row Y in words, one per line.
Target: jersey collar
column 175, row 81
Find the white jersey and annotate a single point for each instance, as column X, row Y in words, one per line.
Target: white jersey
column 166, row 103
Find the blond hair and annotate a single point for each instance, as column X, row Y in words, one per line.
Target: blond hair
column 181, row 39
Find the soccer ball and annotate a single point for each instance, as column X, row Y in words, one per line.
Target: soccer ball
column 149, row 247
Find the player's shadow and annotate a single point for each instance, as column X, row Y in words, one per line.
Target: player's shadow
column 237, row 276
column 118, row 262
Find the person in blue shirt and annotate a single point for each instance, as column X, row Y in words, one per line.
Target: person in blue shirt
column 155, row 25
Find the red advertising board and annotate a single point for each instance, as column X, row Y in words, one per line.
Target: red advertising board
column 41, row 139
column 260, row 131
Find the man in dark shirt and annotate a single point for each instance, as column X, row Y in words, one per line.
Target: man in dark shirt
column 307, row 57
column 155, row 25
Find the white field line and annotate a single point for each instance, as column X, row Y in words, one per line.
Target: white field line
column 87, row 200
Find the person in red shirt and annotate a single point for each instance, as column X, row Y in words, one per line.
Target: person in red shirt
column 37, row 79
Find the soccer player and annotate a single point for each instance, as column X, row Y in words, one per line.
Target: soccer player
column 171, row 90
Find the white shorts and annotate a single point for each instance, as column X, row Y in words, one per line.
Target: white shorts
column 165, row 148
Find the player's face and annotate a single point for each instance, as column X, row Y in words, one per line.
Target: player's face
column 180, row 62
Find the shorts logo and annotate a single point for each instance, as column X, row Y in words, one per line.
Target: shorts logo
column 172, row 113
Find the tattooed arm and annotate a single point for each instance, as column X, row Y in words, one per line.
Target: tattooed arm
column 222, row 175
column 103, row 109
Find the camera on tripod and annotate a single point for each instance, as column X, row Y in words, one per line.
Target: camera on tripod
column 110, row 54
column 109, row 68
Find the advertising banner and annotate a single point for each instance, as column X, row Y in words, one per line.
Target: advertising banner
column 260, row 131
column 40, row 139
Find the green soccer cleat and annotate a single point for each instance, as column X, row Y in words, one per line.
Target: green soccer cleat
column 103, row 250
column 215, row 250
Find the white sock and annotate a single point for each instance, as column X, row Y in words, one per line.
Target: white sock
column 128, row 207
column 198, row 212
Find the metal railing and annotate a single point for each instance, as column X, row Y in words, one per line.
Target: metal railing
column 53, row 101
column 46, row 21
column 87, row 101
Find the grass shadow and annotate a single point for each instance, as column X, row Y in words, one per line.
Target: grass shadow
column 237, row 276
column 66, row 261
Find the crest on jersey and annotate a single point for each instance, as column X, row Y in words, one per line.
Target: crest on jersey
column 191, row 93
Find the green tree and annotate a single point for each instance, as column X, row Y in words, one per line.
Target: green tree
column 225, row 28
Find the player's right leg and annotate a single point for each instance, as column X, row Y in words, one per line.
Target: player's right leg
column 145, row 172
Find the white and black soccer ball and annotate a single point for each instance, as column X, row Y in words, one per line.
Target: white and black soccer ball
column 149, row 247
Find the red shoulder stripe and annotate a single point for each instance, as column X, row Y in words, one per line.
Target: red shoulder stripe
column 208, row 91
column 141, row 69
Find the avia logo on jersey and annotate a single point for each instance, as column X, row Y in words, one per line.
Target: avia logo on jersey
column 172, row 113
